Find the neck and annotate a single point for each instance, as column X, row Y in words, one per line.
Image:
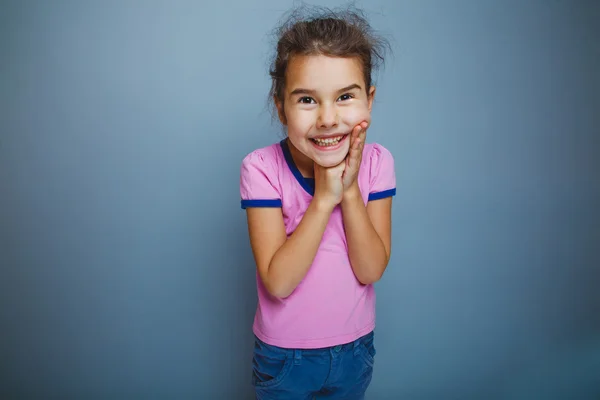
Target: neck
column 304, row 164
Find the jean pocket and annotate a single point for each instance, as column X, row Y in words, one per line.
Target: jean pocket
column 269, row 368
column 368, row 351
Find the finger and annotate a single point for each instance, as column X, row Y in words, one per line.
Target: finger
column 360, row 138
column 354, row 147
column 356, row 154
column 363, row 133
column 355, row 144
column 359, row 128
column 354, row 135
column 354, row 158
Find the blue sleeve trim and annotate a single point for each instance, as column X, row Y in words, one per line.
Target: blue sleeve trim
column 382, row 195
column 261, row 203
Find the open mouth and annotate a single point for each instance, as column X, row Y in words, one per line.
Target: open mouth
column 329, row 142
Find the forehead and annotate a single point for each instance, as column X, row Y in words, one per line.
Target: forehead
column 323, row 73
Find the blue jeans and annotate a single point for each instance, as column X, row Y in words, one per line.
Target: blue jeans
column 338, row 372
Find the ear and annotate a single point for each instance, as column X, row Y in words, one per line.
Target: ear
column 280, row 111
column 371, row 97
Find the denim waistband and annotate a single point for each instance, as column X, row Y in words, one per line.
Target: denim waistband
column 298, row 353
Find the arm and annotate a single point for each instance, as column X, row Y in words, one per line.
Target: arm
column 368, row 228
column 368, row 233
column 283, row 262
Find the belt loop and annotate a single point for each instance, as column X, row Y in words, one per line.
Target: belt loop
column 297, row 356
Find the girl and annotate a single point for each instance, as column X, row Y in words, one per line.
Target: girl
column 318, row 205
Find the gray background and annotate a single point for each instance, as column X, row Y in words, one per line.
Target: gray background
column 126, row 271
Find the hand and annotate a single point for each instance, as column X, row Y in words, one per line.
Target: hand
column 354, row 157
column 329, row 189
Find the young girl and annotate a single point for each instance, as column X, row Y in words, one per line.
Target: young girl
column 318, row 205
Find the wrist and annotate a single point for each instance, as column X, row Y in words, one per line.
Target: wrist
column 352, row 193
column 323, row 204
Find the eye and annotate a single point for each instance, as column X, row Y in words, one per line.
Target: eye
column 346, row 96
column 306, row 100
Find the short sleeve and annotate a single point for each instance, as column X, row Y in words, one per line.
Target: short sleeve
column 258, row 182
column 382, row 177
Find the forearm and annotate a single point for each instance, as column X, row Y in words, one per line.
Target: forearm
column 292, row 260
column 368, row 255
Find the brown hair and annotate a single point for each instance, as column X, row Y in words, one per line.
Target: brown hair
column 323, row 31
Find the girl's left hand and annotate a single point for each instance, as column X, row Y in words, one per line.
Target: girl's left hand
column 354, row 157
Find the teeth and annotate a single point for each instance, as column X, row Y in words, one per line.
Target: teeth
column 329, row 141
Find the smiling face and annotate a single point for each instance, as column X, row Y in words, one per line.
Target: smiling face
column 324, row 99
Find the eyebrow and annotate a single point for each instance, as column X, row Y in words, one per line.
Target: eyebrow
column 312, row 91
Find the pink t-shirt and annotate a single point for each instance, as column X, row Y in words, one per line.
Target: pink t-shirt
column 330, row 306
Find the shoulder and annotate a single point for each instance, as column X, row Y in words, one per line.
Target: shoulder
column 264, row 159
column 260, row 177
column 376, row 151
column 378, row 161
column 377, row 156
column 267, row 154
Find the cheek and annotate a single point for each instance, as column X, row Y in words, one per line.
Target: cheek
column 355, row 115
column 297, row 120
column 297, row 131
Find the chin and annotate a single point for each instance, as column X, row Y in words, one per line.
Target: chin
column 330, row 160
column 327, row 164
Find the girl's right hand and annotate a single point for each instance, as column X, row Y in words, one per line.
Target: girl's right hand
column 329, row 187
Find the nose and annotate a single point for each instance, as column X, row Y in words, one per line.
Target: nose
column 328, row 117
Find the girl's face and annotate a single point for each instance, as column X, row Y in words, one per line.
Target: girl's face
column 324, row 99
